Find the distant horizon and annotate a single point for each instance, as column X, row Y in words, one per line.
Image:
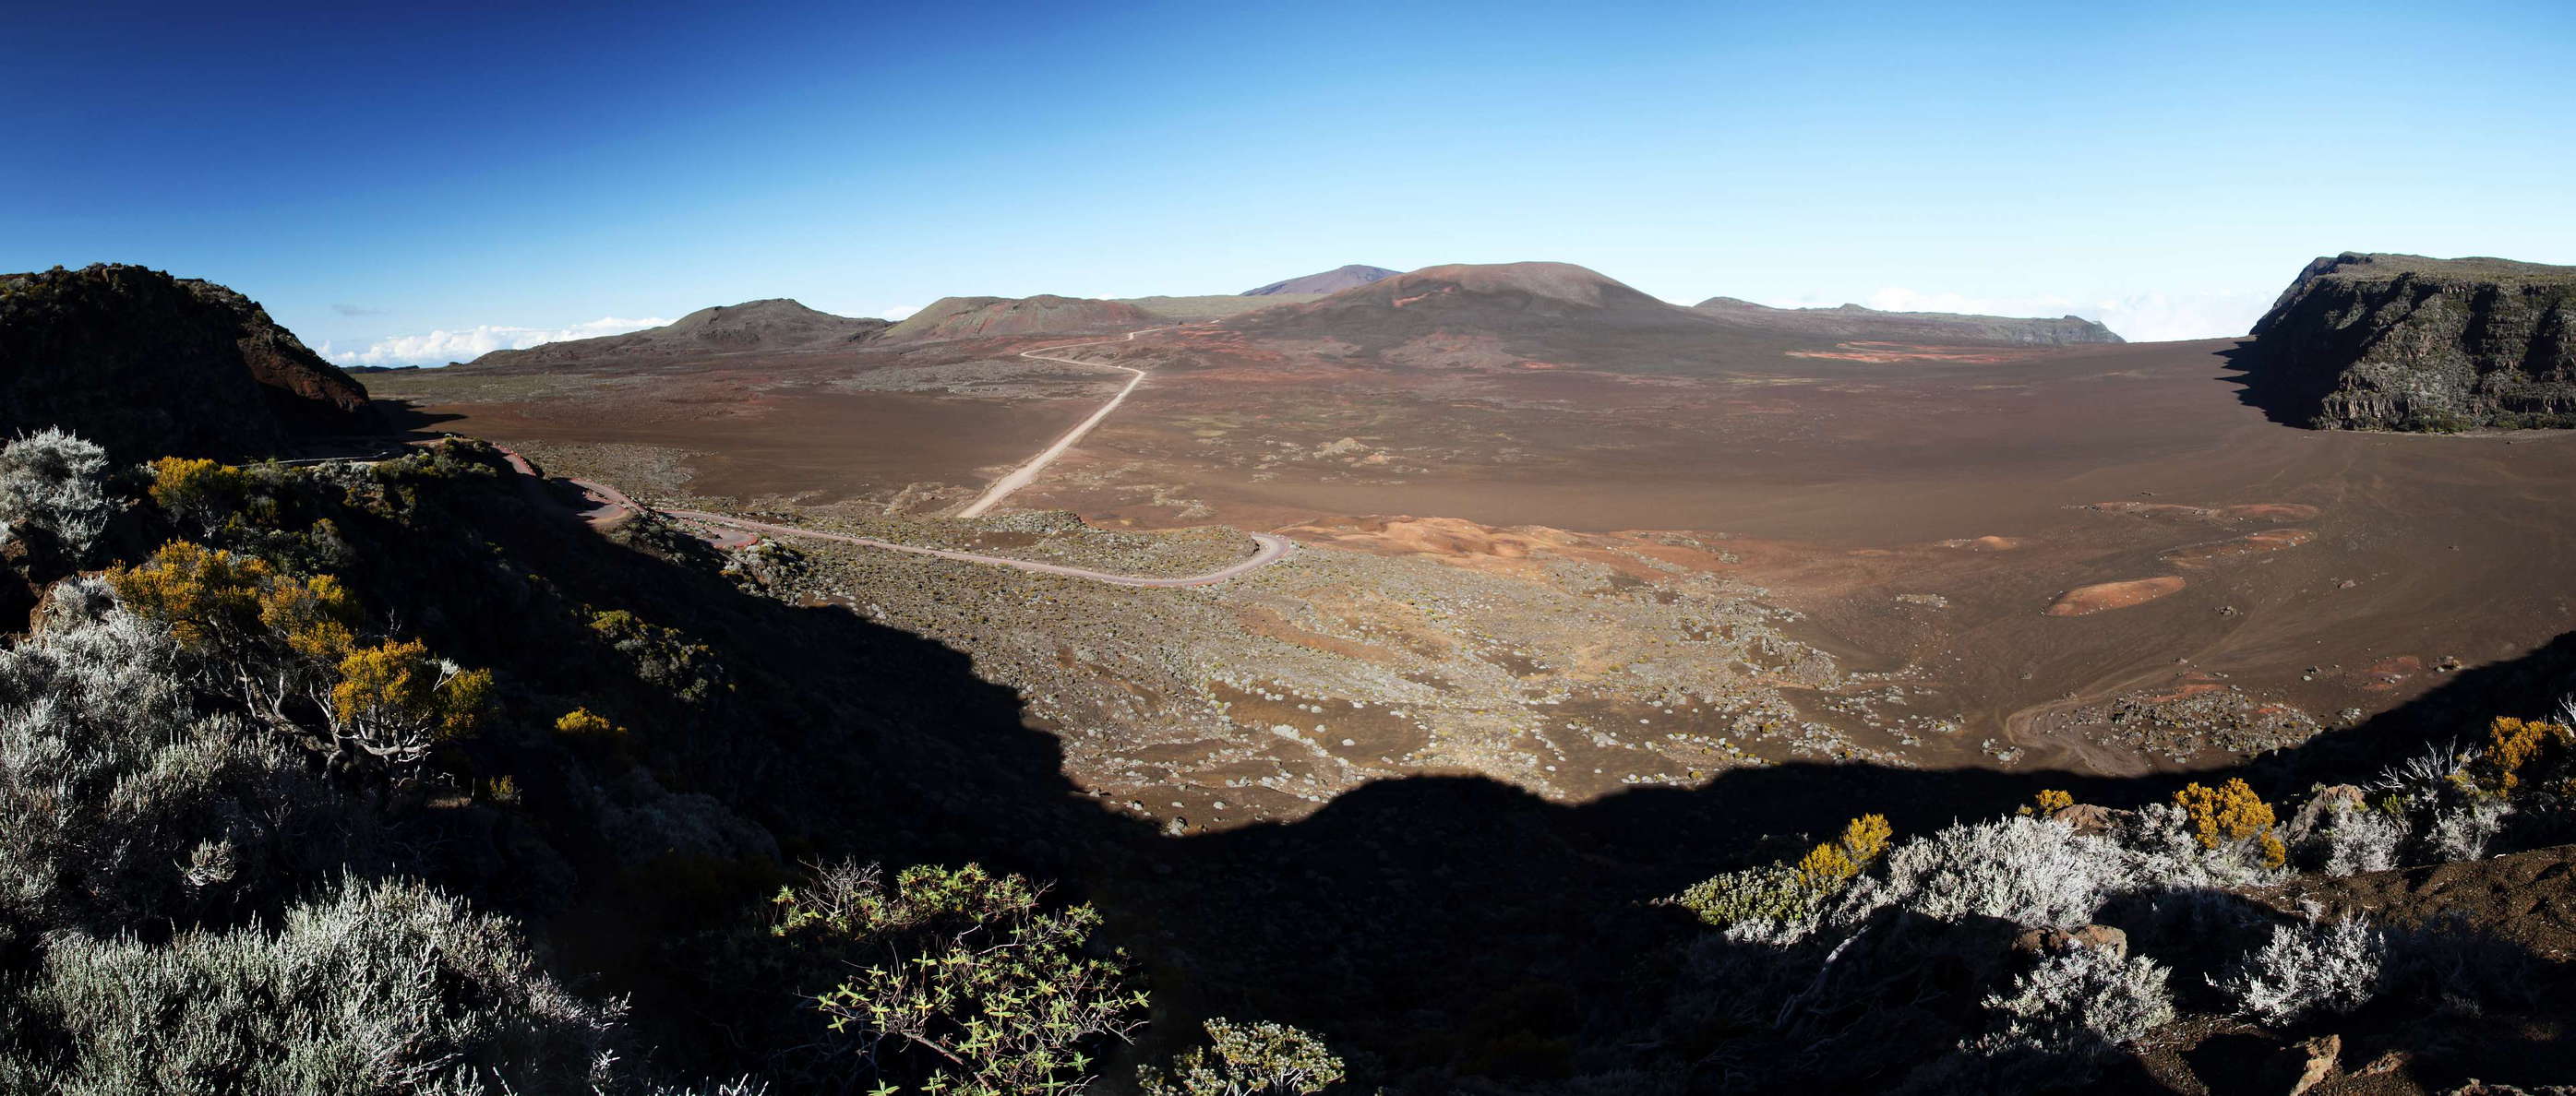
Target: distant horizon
column 424, row 349
column 406, row 186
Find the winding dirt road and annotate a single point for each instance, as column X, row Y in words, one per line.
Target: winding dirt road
column 614, row 503
column 1019, row 477
column 1272, row 550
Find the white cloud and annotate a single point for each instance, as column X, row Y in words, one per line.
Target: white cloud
column 2138, row 317
column 441, row 347
column 897, row 311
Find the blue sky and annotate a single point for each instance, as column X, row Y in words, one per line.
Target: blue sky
column 404, row 183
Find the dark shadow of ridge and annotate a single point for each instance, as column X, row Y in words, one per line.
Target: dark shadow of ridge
column 2264, row 382
column 1463, row 924
column 1429, row 927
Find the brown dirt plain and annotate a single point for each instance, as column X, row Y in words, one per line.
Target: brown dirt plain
column 1578, row 576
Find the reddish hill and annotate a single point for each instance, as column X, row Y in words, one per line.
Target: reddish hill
column 1005, row 317
column 148, row 365
column 1486, row 315
column 1501, row 296
column 775, row 324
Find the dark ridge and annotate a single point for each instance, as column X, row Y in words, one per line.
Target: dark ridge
column 150, row 365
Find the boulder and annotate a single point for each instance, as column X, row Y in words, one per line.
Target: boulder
column 2093, row 819
column 2321, row 808
column 2044, row 942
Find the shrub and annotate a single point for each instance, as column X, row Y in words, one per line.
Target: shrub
column 2460, row 831
column 584, row 723
column 2432, row 768
column 209, row 598
column 1771, row 893
column 121, row 801
column 393, row 701
column 55, row 482
column 386, row 987
column 1866, row 837
column 1826, row 867
column 2080, row 1003
column 197, row 490
column 1262, row 1059
column 2019, row 869
column 2514, row 743
column 2231, row 814
column 663, row 657
column 590, row 729
column 2363, row 840
column 2304, row 968
column 974, row 989
column 288, row 648
column 1779, row 896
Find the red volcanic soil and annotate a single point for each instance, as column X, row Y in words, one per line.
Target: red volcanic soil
column 825, row 447
column 1920, row 517
column 1997, row 486
column 2086, row 600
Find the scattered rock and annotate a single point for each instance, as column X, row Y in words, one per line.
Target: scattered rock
column 2325, row 804
column 2104, row 938
column 2092, row 818
column 2322, row 1052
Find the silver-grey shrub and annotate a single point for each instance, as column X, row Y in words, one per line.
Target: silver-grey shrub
column 379, row 987
column 2362, row 840
column 2460, row 831
column 57, row 482
column 121, row 802
column 2306, row 968
column 2079, row 1003
column 2023, row 870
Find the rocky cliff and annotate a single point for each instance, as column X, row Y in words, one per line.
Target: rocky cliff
column 147, row 365
column 2403, row 342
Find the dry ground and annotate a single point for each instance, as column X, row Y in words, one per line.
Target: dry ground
column 2095, row 558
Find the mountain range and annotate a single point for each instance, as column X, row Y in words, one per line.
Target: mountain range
column 1377, row 304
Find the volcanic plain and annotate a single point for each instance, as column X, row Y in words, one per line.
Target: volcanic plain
column 1573, row 538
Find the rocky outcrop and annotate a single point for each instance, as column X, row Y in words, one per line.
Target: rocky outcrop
column 1852, row 321
column 773, row 325
column 2403, row 342
column 148, row 365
